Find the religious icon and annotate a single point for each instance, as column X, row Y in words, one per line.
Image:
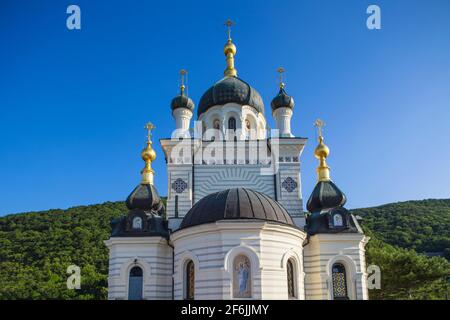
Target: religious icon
column 337, row 220
column 137, row 223
column 217, row 124
column 242, row 277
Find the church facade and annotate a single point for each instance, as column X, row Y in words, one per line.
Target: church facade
column 233, row 226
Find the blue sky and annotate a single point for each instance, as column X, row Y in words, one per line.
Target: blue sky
column 73, row 103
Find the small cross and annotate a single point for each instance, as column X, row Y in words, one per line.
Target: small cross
column 281, row 70
column 229, row 24
column 319, row 124
column 183, row 75
column 150, row 127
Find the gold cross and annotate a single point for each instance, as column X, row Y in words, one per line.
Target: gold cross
column 319, row 124
column 281, row 70
column 183, row 75
column 229, row 24
column 150, row 127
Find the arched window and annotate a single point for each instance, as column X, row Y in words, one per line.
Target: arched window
column 232, row 123
column 242, row 277
column 291, row 279
column 248, row 129
column 135, row 284
column 216, row 127
column 339, row 279
column 190, row 280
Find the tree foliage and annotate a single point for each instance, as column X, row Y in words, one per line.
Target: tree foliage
column 420, row 225
column 405, row 274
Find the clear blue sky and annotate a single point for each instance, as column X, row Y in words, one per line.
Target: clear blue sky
column 73, row 103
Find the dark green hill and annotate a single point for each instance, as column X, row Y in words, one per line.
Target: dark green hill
column 420, row 225
column 36, row 248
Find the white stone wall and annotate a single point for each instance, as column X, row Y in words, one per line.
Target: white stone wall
column 322, row 251
column 241, row 113
column 152, row 254
column 214, row 178
column 213, row 247
column 185, row 197
column 290, row 199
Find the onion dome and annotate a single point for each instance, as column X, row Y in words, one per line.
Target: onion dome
column 182, row 100
column 324, row 196
column 326, row 202
column 144, row 196
column 230, row 89
column 146, row 216
column 282, row 100
column 237, row 203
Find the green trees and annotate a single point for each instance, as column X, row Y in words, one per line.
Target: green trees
column 405, row 274
column 420, row 225
column 36, row 248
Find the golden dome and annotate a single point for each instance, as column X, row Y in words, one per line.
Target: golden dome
column 321, row 151
column 148, row 154
column 229, row 48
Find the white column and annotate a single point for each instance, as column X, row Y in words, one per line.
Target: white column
column 182, row 121
column 283, row 118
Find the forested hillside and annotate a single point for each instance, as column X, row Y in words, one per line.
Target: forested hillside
column 36, row 249
column 420, row 225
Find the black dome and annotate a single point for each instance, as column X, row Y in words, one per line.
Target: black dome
column 182, row 101
column 325, row 195
column 238, row 203
column 282, row 100
column 230, row 89
column 144, row 197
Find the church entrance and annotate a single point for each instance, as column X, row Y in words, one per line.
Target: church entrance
column 135, row 284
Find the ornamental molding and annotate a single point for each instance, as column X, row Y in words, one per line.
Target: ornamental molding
column 289, row 184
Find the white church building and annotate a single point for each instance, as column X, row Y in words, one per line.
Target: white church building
column 233, row 226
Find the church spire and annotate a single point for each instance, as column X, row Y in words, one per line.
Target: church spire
column 148, row 155
column 230, row 51
column 321, row 152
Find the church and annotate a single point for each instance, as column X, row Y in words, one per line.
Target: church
column 233, row 225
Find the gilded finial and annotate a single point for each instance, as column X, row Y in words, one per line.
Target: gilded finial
column 321, row 152
column 229, row 24
column 281, row 70
column 148, row 155
column 183, row 76
column 150, row 127
column 319, row 124
column 230, row 51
